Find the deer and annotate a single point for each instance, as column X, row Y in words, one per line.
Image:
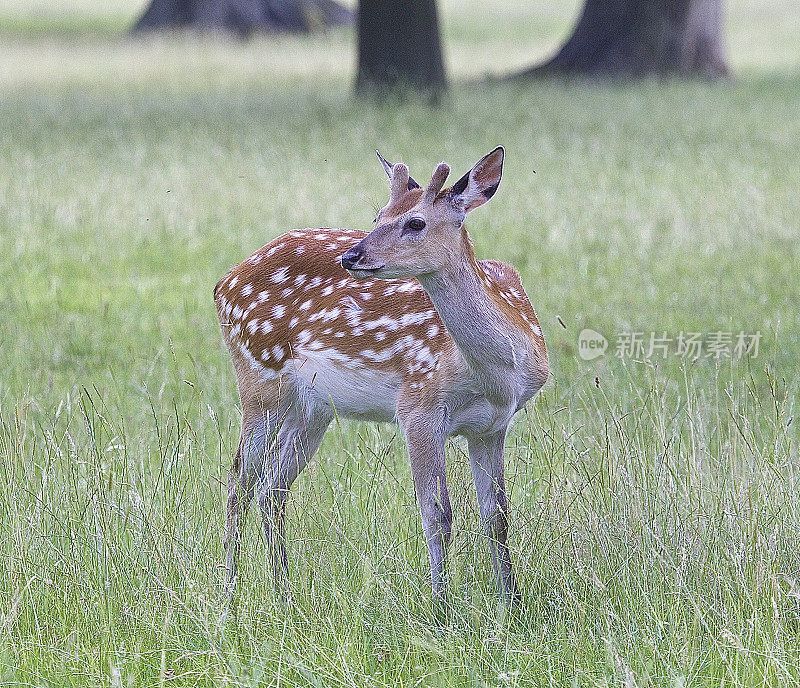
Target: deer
column 399, row 324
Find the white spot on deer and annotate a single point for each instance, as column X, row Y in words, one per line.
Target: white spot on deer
column 285, row 292
column 280, row 275
column 377, row 356
column 252, row 326
column 266, row 327
column 262, row 296
column 255, row 259
column 402, row 343
column 278, row 310
column 380, row 335
column 414, row 318
column 409, row 286
column 313, row 284
column 305, row 305
column 384, row 321
column 233, row 282
column 265, row 355
column 321, row 235
column 278, row 353
column 353, row 316
column 237, row 312
column 433, row 330
column 327, row 291
column 300, row 279
column 304, row 337
column 293, row 322
column 247, row 289
column 426, row 357
column 351, row 304
column 299, row 249
column 331, row 246
column 365, row 295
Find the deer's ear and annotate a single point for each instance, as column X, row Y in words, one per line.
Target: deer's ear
column 388, row 167
column 479, row 184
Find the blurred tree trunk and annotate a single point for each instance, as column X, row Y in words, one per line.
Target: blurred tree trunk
column 635, row 38
column 243, row 16
column 399, row 47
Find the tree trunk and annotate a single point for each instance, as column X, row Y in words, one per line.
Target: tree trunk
column 637, row 38
column 399, row 47
column 243, row 16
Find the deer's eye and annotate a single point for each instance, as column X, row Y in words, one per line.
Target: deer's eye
column 415, row 224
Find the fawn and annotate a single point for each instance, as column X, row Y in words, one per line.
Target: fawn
column 404, row 324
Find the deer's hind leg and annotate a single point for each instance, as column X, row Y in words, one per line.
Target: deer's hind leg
column 282, row 428
column 258, row 430
column 300, row 428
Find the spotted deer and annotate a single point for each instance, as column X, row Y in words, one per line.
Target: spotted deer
column 403, row 324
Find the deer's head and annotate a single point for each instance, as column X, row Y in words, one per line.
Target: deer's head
column 420, row 230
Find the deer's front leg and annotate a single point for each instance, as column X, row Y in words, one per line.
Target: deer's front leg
column 426, row 451
column 488, row 471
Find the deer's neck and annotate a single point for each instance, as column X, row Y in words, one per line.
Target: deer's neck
column 481, row 331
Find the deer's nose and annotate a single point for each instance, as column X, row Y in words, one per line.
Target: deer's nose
column 351, row 257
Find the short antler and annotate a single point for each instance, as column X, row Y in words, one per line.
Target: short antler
column 388, row 167
column 399, row 182
column 437, row 181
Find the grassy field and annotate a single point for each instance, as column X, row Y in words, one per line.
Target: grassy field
column 656, row 511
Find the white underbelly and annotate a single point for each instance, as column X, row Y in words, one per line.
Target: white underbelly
column 362, row 392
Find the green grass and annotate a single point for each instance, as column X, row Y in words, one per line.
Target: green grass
column 656, row 511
